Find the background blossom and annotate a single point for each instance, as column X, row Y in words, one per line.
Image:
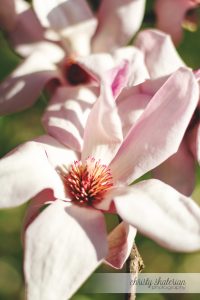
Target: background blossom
column 72, row 32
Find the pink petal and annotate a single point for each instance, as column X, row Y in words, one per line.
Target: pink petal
column 158, row 132
column 53, row 53
column 7, row 14
column 67, row 113
column 103, row 132
column 57, row 153
column 35, row 206
column 170, row 16
column 178, row 170
column 120, row 242
column 24, row 173
column 161, row 57
column 96, row 64
column 22, row 88
column 160, row 212
column 131, row 104
column 64, row 245
column 133, row 100
column 118, row 77
column 152, row 86
column 118, row 22
column 138, row 71
column 27, row 30
column 73, row 20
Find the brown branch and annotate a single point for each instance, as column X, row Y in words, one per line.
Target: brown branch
column 134, row 265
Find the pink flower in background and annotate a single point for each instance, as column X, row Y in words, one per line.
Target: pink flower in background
column 114, row 150
column 7, row 14
column 58, row 38
column 162, row 59
column 64, row 110
column 171, row 15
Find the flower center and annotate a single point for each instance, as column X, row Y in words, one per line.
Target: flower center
column 87, row 182
column 75, row 74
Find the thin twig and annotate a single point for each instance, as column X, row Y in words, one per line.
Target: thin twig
column 134, row 265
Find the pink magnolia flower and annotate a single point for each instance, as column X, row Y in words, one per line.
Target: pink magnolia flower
column 171, row 15
column 162, row 59
column 67, row 241
column 58, row 42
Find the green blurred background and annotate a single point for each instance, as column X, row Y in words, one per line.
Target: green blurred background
column 20, row 127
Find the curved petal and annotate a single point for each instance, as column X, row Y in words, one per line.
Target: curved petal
column 72, row 19
column 57, row 154
column 138, row 71
column 131, row 104
column 53, row 53
column 132, row 101
column 35, row 207
column 63, row 247
column 170, row 16
column 160, row 212
column 120, row 242
column 118, row 22
column 151, row 86
column 178, row 170
column 67, row 113
column 158, row 132
column 24, row 173
column 160, row 55
column 118, row 77
column 102, row 140
column 27, row 31
column 22, row 88
column 96, row 64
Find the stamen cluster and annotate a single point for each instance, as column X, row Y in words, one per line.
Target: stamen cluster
column 87, row 182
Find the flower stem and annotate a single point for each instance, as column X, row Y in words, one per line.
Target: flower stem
column 134, row 265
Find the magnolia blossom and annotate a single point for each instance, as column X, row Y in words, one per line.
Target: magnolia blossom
column 58, row 37
column 161, row 59
column 171, row 16
column 67, row 240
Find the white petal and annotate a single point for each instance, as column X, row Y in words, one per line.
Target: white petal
column 63, row 246
column 178, row 170
column 120, row 241
column 160, row 54
column 160, row 212
column 138, row 69
column 24, row 173
column 118, row 22
column 158, row 133
column 103, row 132
column 57, row 154
column 72, row 20
column 67, row 113
column 22, row 88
